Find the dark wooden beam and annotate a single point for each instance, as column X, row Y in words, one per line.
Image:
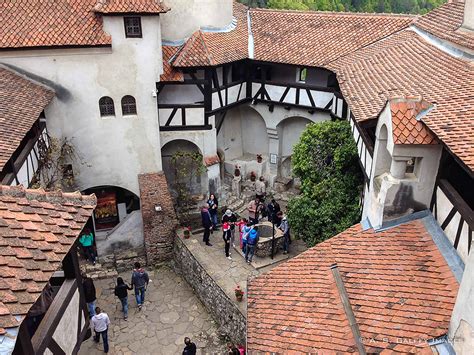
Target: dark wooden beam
column 185, row 128
column 170, row 118
column 455, row 198
column 310, row 96
column 282, row 98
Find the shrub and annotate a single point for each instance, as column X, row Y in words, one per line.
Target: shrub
column 326, row 161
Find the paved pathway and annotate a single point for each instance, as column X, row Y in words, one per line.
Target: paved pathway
column 230, row 273
column 170, row 313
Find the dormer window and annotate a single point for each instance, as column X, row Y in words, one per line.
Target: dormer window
column 302, row 73
column 133, row 27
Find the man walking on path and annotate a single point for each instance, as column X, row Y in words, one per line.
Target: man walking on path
column 231, row 218
column 89, row 293
column 206, row 224
column 252, row 241
column 100, row 323
column 140, row 281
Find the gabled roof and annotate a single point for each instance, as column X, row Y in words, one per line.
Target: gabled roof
column 445, row 22
column 21, row 102
column 170, row 73
column 130, row 7
column 37, row 23
column 207, row 48
column 315, row 38
column 407, row 127
column 37, row 230
column 405, row 64
column 399, row 286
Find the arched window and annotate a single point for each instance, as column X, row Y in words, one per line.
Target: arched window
column 129, row 106
column 106, row 106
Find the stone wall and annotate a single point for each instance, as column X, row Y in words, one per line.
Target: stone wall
column 228, row 315
column 158, row 226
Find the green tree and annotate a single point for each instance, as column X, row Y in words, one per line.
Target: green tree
column 326, row 161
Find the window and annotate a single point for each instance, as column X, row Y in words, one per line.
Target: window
column 413, row 166
column 302, row 72
column 133, row 27
column 106, row 106
column 129, row 106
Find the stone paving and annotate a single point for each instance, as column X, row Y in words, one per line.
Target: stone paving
column 230, row 273
column 170, row 313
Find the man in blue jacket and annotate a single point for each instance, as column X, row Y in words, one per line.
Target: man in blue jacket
column 252, row 240
column 206, row 224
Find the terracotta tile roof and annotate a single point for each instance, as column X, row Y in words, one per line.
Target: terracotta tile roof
column 445, row 22
column 170, row 73
column 130, row 6
column 214, row 48
column 405, row 64
column 37, row 229
column 316, row 38
column 398, row 283
column 21, row 102
column 38, row 23
column 406, row 128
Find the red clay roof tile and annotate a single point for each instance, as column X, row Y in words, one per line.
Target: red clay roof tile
column 170, row 73
column 29, row 252
column 399, row 286
column 38, row 23
column 21, row 102
column 130, row 6
column 445, row 22
column 407, row 129
column 404, row 64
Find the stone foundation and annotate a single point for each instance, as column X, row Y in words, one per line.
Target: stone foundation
column 228, row 315
column 158, row 225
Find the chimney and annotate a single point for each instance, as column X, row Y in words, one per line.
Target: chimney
column 468, row 22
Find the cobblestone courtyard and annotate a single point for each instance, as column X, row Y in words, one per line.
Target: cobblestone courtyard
column 171, row 312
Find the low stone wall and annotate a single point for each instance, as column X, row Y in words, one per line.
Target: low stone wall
column 223, row 309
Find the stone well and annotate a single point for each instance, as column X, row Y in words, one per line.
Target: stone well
column 264, row 246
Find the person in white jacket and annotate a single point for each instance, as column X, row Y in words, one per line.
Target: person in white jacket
column 100, row 322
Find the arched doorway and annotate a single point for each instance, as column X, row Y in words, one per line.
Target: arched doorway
column 184, row 169
column 289, row 133
column 117, row 222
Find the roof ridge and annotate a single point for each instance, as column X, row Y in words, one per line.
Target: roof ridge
column 343, row 13
column 56, row 196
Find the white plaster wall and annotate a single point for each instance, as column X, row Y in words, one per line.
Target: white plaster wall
column 114, row 150
column 443, row 207
column 194, row 116
column 180, row 94
column 468, row 22
column 66, row 331
column 254, row 132
column 229, row 139
column 289, row 132
column 461, row 327
column 187, row 16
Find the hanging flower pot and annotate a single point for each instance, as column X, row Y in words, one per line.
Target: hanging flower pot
column 259, row 158
column 236, row 171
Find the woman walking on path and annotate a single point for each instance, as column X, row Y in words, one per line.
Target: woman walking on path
column 122, row 293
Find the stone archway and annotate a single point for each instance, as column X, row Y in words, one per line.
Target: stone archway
column 117, row 221
column 198, row 183
column 289, row 132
